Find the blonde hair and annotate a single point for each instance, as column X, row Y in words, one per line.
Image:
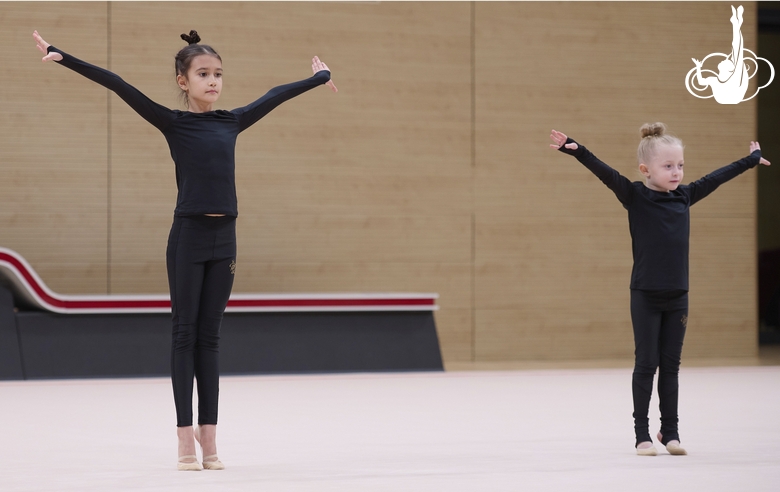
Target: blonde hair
column 653, row 136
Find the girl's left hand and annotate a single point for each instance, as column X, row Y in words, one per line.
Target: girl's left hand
column 317, row 66
column 43, row 46
column 753, row 147
column 559, row 140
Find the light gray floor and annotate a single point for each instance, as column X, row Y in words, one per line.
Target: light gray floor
column 543, row 430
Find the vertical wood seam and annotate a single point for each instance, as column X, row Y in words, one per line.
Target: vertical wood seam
column 108, row 152
column 473, row 187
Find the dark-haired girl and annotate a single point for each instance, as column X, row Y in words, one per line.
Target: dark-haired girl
column 201, row 254
column 659, row 221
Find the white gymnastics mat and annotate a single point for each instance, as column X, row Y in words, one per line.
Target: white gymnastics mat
column 530, row 430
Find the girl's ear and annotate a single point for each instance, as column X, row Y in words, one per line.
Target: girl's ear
column 644, row 169
column 182, row 81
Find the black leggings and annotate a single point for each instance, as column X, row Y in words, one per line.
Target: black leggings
column 659, row 319
column 201, row 259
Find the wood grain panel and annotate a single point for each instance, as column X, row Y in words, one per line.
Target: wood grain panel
column 355, row 238
column 735, row 337
column 597, row 76
column 553, row 248
column 550, row 266
column 519, row 334
column 53, row 146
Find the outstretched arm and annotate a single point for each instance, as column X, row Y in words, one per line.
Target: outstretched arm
column 157, row 115
column 616, row 182
column 702, row 187
column 251, row 114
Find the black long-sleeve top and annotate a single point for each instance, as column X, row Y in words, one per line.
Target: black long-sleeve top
column 659, row 221
column 202, row 144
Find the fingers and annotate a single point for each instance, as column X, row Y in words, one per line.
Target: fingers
column 755, row 146
column 559, row 139
column 43, row 48
column 317, row 65
column 40, row 43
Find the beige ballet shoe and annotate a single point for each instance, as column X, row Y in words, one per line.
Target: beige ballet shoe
column 674, row 447
column 212, row 463
column 209, row 462
column 648, row 451
column 188, row 465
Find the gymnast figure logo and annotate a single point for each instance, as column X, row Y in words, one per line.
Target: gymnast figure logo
column 730, row 84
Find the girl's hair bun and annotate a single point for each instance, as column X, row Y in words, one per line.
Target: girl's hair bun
column 653, row 130
column 653, row 136
column 191, row 38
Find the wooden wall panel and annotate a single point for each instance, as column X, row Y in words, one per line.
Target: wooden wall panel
column 53, row 201
column 553, row 247
column 401, row 181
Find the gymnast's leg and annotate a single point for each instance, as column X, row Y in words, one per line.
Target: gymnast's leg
column 185, row 278
column 646, row 320
column 217, row 285
column 673, row 328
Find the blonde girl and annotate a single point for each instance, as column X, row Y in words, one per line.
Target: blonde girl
column 659, row 222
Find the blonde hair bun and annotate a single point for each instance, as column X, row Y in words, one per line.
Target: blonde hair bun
column 657, row 129
column 653, row 136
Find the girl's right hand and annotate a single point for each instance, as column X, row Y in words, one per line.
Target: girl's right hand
column 755, row 146
column 560, row 139
column 43, row 46
column 316, row 66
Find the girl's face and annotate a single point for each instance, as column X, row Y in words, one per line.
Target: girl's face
column 203, row 82
column 664, row 172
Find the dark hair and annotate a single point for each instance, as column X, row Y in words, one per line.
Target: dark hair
column 185, row 56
